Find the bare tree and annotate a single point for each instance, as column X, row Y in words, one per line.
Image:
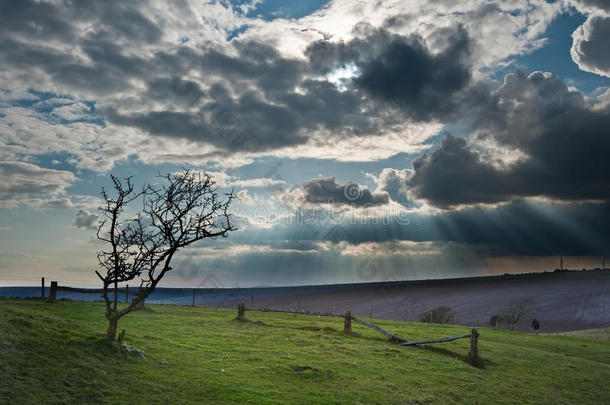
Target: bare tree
column 184, row 209
column 440, row 314
column 516, row 311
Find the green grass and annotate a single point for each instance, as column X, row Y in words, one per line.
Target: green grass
column 594, row 334
column 55, row 353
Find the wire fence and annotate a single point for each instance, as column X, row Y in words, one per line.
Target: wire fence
column 124, row 294
column 472, row 357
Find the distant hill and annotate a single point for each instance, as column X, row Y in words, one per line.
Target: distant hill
column 565, row 300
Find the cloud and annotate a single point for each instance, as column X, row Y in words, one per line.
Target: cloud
column 251, row 104
column 393, row 182
column 455, row 174
column 24, row 179
column 170, row 72
column 403, row 71
column 501, row 28
column 595, row 4
column 327, row 191
column 590, row 46
column 43, row 129
column 244, row 197
column 85, row 220
column 527, row 227
column 260, row 182
column 561, row 135
column 26, row 184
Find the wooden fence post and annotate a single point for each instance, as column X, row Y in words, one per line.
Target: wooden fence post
column 347, row 325
column 334, row 308
column 42, row 290
column 370, row 310
column 127, row 294
column 473, row 356
column 241, row 311
column 53, row 293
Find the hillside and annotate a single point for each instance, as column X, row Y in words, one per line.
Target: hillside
column 54, row 353
column 565, row 301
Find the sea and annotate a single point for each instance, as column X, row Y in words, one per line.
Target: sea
column 179, row 296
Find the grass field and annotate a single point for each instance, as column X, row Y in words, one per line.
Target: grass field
column 55, row 353
column 594, row 334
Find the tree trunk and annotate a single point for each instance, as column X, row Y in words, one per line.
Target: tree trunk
column 113, row 322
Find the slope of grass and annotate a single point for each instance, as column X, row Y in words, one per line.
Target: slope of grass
column 595, row 334
column 55, row 354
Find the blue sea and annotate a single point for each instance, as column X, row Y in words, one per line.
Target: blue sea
column 180, row 296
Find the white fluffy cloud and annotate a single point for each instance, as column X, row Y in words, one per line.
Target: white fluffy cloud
column 591, row 47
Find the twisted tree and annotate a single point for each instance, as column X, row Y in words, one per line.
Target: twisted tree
column 183, row 209
column 517, row 310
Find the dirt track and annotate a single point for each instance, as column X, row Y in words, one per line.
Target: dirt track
column 568, row 301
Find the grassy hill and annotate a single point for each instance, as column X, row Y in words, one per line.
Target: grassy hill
column 55, row 353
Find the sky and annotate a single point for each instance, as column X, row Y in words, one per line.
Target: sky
column 365, row 140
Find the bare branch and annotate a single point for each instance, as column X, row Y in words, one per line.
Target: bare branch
column 184, row 209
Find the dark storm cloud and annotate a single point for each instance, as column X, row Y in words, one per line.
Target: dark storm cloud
column 563, row 137
column 327, row 191
column 275, row 118
column 521, row 227
column 590, row 47
column 455, row 174
column 178, row 124
column 403, row 71
column 264, row 64
column 33, row 18
column 276, row 115
column 530, row 228
column 423, row 84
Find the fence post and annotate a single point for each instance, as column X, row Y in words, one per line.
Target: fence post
column 370, row 310
column 53, row 293
column 127, row 294
column 193, row 303
column 334, row 308
column 241, row 311
column 347, row 325
column 252, row 302
column 42, row 290
column 473, row 356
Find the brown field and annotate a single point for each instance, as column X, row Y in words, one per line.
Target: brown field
column 564, row 301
